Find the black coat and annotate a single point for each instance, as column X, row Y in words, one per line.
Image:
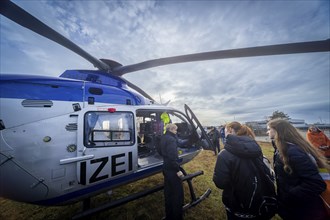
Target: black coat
column 169, row 151
column 236, row 150
column 298, row 192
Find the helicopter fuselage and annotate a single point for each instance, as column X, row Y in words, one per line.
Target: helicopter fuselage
column 63, row 140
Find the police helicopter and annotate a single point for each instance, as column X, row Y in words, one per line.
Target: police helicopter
column 65, row 139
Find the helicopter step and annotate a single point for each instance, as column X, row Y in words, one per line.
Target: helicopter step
column 88, row 212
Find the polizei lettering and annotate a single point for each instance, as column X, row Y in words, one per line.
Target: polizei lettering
column 105, row 167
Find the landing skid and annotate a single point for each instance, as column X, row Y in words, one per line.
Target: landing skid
column 87, row 211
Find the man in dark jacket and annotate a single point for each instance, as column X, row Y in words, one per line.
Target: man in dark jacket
column 173, row 189
column 214, row 136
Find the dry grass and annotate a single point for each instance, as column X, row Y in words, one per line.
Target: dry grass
column 150, row 207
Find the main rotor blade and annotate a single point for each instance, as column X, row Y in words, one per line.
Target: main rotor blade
column 23, row 18
column 290, row 48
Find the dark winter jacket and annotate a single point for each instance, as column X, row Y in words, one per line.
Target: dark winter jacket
column 214, row 135
column 169, row 151
column 298, row 192
column 228, row 167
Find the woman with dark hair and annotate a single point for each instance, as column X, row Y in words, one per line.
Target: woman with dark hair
column 296, row 163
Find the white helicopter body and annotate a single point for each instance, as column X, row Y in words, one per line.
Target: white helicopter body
column 64, row 139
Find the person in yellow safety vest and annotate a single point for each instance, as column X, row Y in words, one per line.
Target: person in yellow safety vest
column 165, row 119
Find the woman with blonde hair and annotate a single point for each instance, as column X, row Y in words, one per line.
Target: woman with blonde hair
column 173, row 189
column 296, row 163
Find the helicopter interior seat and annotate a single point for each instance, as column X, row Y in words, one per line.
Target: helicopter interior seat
column 152, row 136
column 183, row 130
column 145, row 142
column 184, row 134
column 142, row 128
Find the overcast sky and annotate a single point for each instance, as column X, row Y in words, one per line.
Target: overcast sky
column 218, row 91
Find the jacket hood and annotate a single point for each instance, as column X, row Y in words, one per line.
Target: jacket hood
column 242, row 146
column 314, row 132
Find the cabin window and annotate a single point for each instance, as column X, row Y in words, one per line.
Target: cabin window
column 105, row 129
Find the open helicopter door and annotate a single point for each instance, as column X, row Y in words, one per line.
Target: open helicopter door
column 199, row 130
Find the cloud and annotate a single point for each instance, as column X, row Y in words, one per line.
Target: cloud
column 129, row 32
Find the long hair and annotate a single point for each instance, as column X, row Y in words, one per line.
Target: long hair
column 241, row 130
column 286, row 133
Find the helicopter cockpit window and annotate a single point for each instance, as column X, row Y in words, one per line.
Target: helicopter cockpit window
column 103, row 129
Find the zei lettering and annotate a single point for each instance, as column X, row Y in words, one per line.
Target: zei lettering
column 102, row 170
column 94, row 178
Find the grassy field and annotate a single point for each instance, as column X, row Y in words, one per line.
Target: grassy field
column 150, row 207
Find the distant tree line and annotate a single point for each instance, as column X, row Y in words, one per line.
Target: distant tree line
column 262, row 130
column 279, row 114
